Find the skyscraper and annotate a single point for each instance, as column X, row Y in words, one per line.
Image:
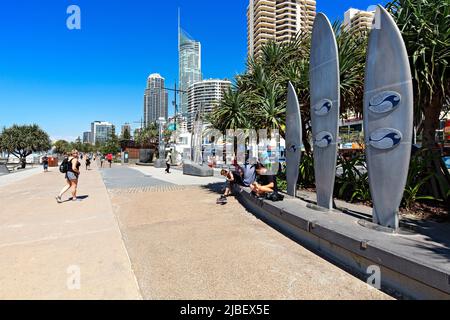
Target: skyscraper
column 358, row 20
column 190, row 66
column 277, row 20
column 204, row 96
column 155, row 99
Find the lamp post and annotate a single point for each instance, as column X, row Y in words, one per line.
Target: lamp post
column 176, row 91
column 160, row 162
column 162, row 122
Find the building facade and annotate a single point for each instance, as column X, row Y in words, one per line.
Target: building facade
column 358, row 20
column 125, row 127
column 87, row 137
column 190, row 67
column 203, row 97
column 155, row 99
column 277, row 20
column 101, row 131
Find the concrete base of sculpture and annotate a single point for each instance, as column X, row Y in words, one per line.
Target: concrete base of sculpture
column 144, row 164
column 357, row 246
column 160, row 163
column 193, row 169
column 3, row 169
column 146, row 155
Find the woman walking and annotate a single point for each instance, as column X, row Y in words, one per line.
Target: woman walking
column 72, row 174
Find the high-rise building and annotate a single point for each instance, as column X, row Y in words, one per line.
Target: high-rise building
column 277, row 20
column 125, row 127
column 190, row 66
column 155, row 99
column 87, row 137
column 101, row 131
column 203, row 97
column 358, row 20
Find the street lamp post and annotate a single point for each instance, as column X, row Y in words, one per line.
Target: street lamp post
column 175, row 102
column 160, row 163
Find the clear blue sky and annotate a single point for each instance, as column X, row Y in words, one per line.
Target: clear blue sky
column 63, row 79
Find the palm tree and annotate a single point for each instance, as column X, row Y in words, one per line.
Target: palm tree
column 352, row 57
column 232, row 112
column 425, row 27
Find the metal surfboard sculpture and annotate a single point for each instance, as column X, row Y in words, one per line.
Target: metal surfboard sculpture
column 293, row 140
column 325, row 101
column 388, row 118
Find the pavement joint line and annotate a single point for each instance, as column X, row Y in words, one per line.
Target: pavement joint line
column 118, row 225
column 53, row 238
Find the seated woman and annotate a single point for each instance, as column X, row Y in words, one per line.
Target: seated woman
column 265, row 184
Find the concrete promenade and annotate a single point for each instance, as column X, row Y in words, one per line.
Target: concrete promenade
column 139, row 233
column 44, row 245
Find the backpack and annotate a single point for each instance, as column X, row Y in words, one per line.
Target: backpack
column 64, row 167
column 274, row 196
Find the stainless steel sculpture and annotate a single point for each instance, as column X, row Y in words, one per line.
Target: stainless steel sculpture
column 388, row 118
column 325, row 100
column 293, row 140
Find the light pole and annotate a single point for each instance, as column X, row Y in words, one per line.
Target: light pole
column 175, row 102
column 160, row 162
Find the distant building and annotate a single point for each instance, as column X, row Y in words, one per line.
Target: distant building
column 101, row 131
column 87, row 137
column 155, row 99
column 125, row 127
column 203, row 97
column 358, row 20
column 190, row 67
column 277, row 20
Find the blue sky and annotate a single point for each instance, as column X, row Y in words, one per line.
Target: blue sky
column 63, row 79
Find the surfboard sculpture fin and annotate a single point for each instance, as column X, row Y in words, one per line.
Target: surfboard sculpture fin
column 325, row 101
column 388, row 118
column 293, row 140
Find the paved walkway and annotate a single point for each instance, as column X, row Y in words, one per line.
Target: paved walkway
column 184, row 246
column 174, row 242
column 176, row 176
column 45, row 245
column 19, row 175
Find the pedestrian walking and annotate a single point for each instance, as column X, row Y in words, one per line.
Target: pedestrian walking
column 168, row 161
column 88, row 162
column 71, row 168
column 102, row 159
column 109, row 157
column 45, row 162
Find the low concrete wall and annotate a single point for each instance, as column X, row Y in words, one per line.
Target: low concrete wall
column 407, row 270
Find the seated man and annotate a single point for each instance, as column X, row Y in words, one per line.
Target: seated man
column 232, row 178
column 248, row 174
column 265, row 184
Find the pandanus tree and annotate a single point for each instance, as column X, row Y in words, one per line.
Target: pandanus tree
column 22, row 141
column 425, row 27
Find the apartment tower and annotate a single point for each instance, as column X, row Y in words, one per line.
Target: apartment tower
column 155, row 99
column 358, row 20
column 203, row 97
column 278, row 20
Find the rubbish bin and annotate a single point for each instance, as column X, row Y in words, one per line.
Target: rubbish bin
column 52, row 162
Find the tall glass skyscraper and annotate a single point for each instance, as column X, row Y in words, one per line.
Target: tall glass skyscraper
column 190, row 66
